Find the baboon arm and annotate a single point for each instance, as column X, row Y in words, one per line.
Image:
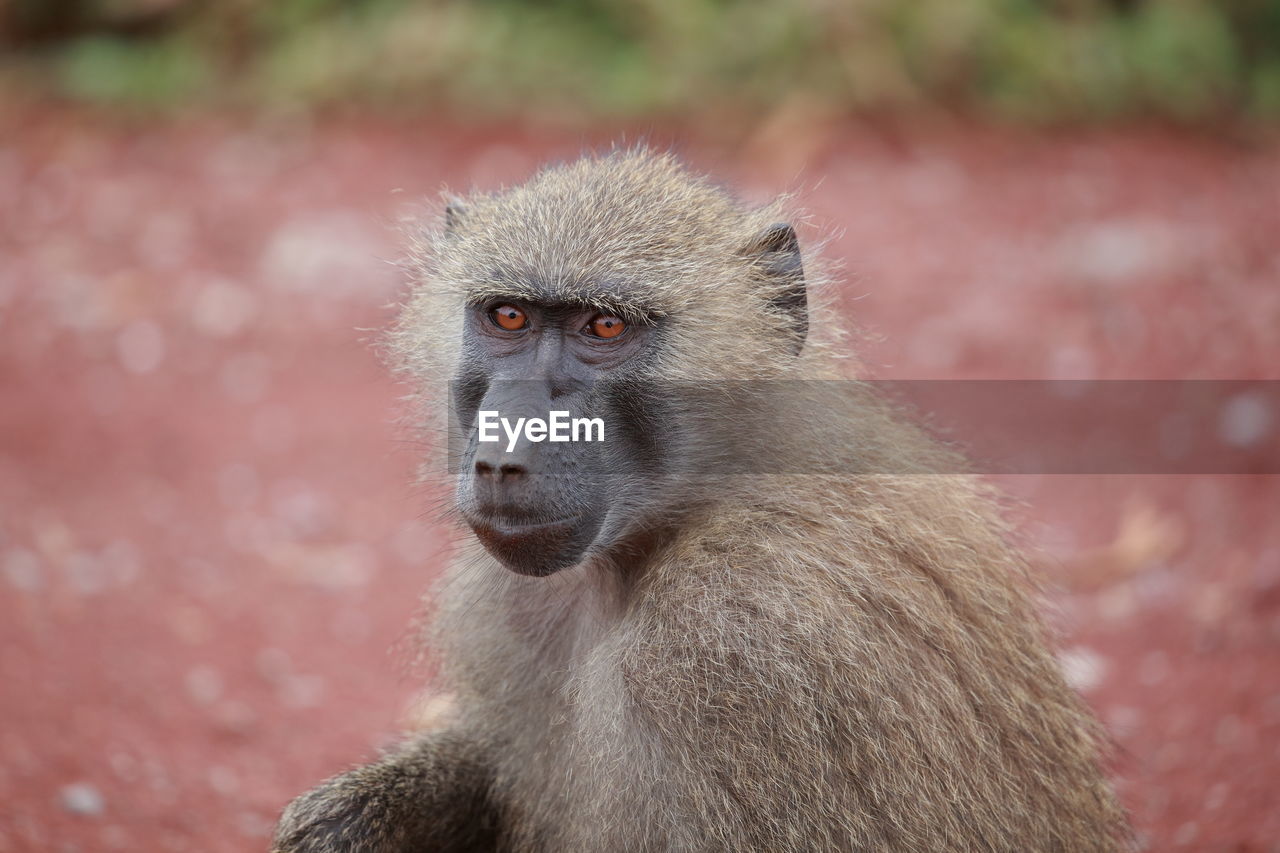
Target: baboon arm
column 432, row 793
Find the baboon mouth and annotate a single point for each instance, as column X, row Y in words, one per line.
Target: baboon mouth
column 536, row 549
column 509, row 527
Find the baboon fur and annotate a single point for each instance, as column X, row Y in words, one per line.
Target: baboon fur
column 823, row 663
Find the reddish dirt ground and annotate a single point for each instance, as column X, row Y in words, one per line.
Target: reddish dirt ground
column 211, row 553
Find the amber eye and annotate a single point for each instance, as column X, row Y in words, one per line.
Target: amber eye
column 509, row 317
column 606, row 326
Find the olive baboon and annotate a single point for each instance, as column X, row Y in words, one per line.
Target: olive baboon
column 645, row 660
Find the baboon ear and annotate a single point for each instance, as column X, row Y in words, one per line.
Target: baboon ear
column 455, row 211
column 777, row 252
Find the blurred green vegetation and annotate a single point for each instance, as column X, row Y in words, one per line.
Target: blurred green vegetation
column 1189, row 60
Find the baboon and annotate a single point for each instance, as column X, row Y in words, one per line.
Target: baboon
column 650, row 651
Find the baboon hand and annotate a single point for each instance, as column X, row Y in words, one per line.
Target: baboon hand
column 353, row 813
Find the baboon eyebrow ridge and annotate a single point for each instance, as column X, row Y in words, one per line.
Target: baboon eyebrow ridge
column 609, row 296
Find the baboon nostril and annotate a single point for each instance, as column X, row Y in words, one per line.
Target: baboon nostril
column 504, row 472
column 510, row 472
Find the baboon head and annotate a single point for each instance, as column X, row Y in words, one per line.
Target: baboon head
column 589, row 290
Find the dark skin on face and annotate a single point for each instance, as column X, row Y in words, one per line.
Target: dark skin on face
column 540, row 506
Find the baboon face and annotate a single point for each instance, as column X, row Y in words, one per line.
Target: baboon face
column 584, row 294
column 536, row 501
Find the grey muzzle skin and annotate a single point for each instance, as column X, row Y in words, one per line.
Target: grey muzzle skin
column 534, row 497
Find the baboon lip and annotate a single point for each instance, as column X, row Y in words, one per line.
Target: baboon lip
column 536, row 549
column 508, row 528
column 512, row 530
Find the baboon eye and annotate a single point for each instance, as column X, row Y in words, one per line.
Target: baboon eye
column 606, row 326
column 509, row 317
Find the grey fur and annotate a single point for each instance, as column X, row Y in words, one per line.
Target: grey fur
column 825, row 663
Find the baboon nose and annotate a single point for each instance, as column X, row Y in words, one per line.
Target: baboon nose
column 505, row 472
